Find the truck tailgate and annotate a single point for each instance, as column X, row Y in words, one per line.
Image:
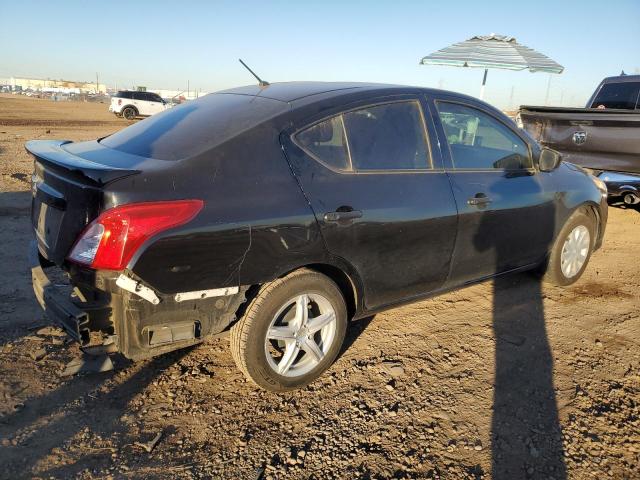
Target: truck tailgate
column 598, row 139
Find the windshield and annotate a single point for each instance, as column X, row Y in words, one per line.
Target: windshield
column 194, row 127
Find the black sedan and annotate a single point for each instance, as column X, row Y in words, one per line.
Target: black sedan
column 283, row 211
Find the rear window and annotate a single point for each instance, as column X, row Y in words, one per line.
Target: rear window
column 618, row 95
column 194, row 127
column 124, row 95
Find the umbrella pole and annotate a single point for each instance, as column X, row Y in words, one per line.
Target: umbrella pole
column 546, row 97
column 484, row 81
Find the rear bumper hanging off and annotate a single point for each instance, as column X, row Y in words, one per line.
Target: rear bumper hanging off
column 56, row 304
column 141, row 326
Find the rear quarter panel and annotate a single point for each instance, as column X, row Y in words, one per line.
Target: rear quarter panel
column 255, row 226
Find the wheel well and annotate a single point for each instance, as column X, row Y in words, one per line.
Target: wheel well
column 344, row 282
column 129, row 106
column 592, row 212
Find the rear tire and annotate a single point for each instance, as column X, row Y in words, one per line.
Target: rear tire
column 129, row 113
column 291, row 332
column 571, row 251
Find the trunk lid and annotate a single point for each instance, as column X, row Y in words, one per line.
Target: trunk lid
column 67, row 191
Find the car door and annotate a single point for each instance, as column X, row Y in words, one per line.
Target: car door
column 505, row 206
column 380, row 195
column 146, row 104
column 156, row 104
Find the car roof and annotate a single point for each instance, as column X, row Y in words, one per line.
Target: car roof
column 299, row 95
column 292, row 91
column 622, row 79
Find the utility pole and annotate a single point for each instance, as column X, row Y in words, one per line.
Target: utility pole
column 511, row 97
column 187, row 89
column 97, row 84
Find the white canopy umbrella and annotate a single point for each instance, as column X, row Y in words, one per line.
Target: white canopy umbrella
column 492, row 51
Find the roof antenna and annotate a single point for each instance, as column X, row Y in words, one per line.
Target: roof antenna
column 261, row 82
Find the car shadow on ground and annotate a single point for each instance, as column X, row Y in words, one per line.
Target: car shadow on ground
column 18, row 308
column 633, row 208
column 72, row 408
column 526, row 436
column 355, row 328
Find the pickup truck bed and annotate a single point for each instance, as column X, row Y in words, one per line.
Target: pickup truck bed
column 600, row 139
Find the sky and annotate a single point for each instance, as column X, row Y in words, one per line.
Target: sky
column 171, row 44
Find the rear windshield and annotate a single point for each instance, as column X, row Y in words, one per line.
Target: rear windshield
column 194, row 127
column 618, row 95
column 124, row 95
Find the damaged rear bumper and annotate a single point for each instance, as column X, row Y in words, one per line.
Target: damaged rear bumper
column 142, row 321
column 57, row 304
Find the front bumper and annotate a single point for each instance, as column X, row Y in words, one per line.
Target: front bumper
column 55, row 302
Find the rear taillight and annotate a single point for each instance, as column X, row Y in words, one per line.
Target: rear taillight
column 119, row 101
column 110, row 240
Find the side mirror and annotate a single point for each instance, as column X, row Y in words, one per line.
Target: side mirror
column 549, row 160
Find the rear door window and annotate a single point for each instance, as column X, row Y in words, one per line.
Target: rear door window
column 326, row 142
column 479, row 141
column 618, row 95
column 390, row 136
column 387, row 137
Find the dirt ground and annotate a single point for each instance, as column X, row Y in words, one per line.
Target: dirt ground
column 506, row 380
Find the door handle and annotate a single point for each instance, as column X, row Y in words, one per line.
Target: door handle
column 342, row 216
column 480, row 199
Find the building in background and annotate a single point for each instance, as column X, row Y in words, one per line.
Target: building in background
column 178, row 96
column 49, row 85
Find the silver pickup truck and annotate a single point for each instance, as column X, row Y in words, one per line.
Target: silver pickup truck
column 603, row 137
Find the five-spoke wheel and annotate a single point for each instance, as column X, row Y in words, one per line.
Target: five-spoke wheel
column 300, row 335
column 291, row 331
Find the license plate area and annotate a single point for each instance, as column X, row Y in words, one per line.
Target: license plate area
column 46, row 222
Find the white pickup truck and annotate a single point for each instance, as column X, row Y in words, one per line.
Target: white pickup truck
column 132, row 104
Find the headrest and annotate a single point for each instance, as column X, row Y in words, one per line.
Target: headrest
column 319, row 133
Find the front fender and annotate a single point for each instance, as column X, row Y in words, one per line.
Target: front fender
column 577, row 189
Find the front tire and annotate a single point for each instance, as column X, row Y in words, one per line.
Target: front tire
column 291, row 332
column 571, row 250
